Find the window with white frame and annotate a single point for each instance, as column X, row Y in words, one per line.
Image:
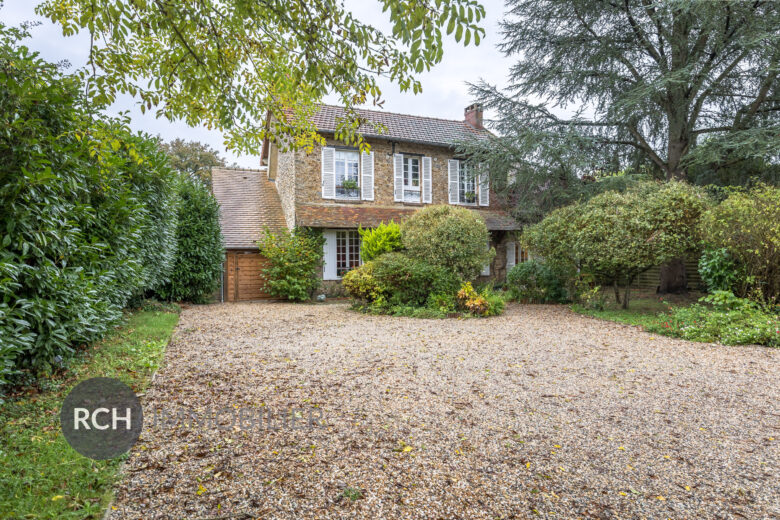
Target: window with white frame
column 347, row 251
column 347, row 174
column 411, row 179
column 467, row 184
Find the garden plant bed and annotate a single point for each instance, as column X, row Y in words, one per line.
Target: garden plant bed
column 535, row 412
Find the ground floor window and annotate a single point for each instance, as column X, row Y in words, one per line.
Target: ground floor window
column 347, row 251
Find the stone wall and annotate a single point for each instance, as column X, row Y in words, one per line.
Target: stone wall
column 283, row 171
column 309, row 176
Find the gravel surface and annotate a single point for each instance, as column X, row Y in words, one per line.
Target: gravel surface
column 539, row 413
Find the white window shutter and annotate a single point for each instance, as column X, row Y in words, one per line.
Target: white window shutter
column 510, row 256
column 484, row 187
column 398, row 175
column 329, row 255
column 427, row 181
column 453, row 172
column 328, row 172
column 367, row 190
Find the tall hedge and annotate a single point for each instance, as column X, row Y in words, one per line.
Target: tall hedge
column 199, row 251
column 87, row 215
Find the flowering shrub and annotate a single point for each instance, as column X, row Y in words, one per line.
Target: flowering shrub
column 728, row 320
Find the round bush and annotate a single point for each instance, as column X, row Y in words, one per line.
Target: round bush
column 534, row 281
column 453, row 238
column 361, row 284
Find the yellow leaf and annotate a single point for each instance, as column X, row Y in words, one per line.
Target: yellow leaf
column 407, row 449
column 527, row 464
column 667, row 457
column 621, row 448
column 623, row 494
column 557, row 446
column 659, row 497
column 201, row 490
column 57, row 497
column 687, row 488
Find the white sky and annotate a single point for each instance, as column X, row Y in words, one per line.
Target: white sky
column 445, row 93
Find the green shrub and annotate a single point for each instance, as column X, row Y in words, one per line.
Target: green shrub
column 536, row 282
column 728, row 320
column 384, row 238
column 747, row 226
column 409, row 281
column 719, row 271
column 361, row 284
column 88, row 215
column 453, row 238
column 444, row 303
column 618, row 235
column 199, row 250
column 294, row 259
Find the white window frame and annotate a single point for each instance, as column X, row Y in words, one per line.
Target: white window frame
column 465, row 167
column 347, row 158
column 408, row 160
column 347, row 235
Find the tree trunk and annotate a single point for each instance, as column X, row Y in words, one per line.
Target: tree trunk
column 628, row 288
column 673, row 277
column 617, row 290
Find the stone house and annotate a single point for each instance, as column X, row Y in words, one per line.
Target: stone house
column 412, row 164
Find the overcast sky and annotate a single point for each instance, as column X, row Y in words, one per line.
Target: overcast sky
column 445, row 93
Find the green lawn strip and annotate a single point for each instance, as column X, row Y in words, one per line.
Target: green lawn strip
column 648, row 312
column 40, row 475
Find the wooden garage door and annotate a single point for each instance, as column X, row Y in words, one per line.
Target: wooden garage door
column 243, row 280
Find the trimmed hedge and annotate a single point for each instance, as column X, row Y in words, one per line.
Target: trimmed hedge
column 87, row 220
column 199, row 248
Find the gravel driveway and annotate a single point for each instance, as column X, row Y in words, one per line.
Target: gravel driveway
column 539, row 413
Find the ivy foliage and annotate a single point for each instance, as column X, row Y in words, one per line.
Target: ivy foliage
column 199, row 248
column 229, row 64
column 88, row 220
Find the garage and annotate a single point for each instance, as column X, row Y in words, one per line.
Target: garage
column 248, row 204
column 244, row 276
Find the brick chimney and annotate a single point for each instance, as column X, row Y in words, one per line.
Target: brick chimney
column 473, row 115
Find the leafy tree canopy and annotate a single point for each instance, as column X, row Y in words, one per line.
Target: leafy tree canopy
column 193, row 158
column 661, row 87
column 228, row 64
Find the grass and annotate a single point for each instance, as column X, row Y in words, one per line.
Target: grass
column 42, row 476
column 643, row 309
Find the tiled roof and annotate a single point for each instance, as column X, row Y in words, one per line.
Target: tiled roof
column 401, row 127
column 248, row 202
column 313, row 215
